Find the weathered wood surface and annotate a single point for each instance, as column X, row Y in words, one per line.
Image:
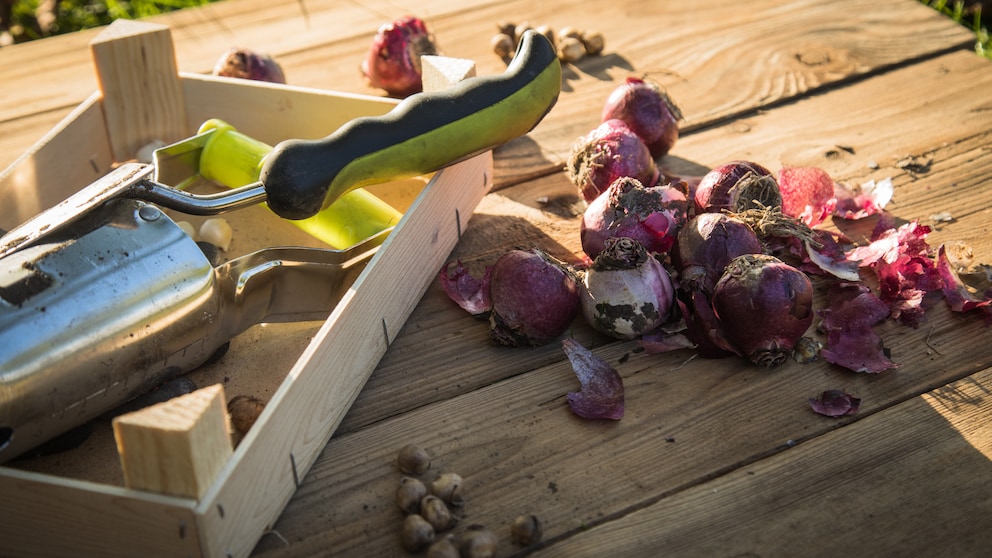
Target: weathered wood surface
column 809, row 501
column 714, row 457
column 717, row 59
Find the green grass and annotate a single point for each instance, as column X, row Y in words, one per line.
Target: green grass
column 972, row 19
column 75, row 15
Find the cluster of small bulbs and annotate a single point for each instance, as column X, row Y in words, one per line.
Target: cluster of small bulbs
column 427, row 510
column 572, row 44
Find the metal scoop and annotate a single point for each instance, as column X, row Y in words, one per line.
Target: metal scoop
column 125, row 301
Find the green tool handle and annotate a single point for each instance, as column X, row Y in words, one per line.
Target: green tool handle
column 423, row 133
column 234, row 159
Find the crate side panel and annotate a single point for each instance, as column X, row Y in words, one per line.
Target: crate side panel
column 41, row 515
column 69, row 157
column 274, row 112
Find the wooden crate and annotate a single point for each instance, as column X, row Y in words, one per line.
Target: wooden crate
column 144, row 98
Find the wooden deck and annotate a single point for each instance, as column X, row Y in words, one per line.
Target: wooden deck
column 714, row 457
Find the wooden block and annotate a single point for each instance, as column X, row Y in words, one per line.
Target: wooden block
column 138, row 77
column 176, row 447
column 441, row 72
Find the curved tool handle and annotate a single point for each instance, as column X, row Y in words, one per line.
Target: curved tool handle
column 424, row 133
column 234, row 159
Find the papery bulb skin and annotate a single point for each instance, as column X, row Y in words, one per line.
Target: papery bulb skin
column 393, row 59
column 648, row 110
column 602, row 393
column 735, row 186
column 764, row 307
column 610, row 151
column 534, row 299
column 807, row 194
column 627, row 292
column 706, row 244
column 652, row 216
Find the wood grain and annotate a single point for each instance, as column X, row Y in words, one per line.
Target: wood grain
column 74, row 153
column 807, row 500
column 499, row 418
column 755, row 54
column 849, row 86
column 81, row 518
column 176, row 447
column 140, row 90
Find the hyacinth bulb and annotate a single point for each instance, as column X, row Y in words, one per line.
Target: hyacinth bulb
column 648, row 110
column 245, row 63
column 393, row 59
column 764, row 307
column 652, row 216
column 610, row 151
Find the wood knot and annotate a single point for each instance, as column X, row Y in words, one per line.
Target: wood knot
column 815, row 57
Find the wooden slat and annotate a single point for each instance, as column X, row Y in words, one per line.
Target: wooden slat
column 74, row 153
column 509, row 432
column 276, row 112
column 807, row 501
column 41, row 515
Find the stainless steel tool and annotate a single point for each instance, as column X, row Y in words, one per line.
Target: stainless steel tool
column 124, row 300
column 103, row 297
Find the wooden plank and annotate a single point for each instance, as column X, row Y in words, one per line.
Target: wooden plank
column 761, row 52
column 176, row 447
column 808, row 500
column 504, row 425
column 68, row 157
column 42, row 515
column 521, row 451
